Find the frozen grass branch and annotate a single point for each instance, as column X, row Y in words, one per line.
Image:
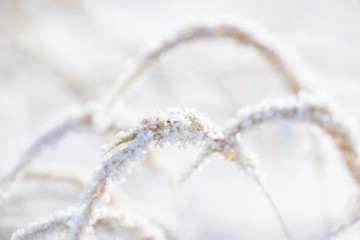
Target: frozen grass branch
column 342, row 228
column 123, row 223
column 55, row 222
column 305, row 109
column 246, row 33
column 177, row 127
column 181, row 127
column 295, row 74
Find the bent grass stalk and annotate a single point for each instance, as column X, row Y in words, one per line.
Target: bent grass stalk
column 166, row 128
column 120, row 153
column 174, row 126
column 181, row 127
column 112, row 220
column 287, row 64
column 307, row 109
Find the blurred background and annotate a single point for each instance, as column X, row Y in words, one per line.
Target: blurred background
column 57, row 55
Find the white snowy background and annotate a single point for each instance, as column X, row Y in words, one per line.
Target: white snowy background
column 56, row 55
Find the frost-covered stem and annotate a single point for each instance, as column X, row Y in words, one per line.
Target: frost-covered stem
column 196, row 166
column 304, row 109
column 55, row 222
column 249, row 34
column 230, row 147
column 50, row 137
column 94, row 195
column 110, row 220
column 288, row 64
column 343, row 227
column 174, row 127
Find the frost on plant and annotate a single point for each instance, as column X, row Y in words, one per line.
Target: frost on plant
column 101, row 207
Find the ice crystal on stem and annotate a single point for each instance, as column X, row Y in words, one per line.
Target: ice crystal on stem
column 36, row 230
column 112, row 220
column 181, row 127
column 248, row 33
column 305, row 109
column 174, row 126
column 342, row 228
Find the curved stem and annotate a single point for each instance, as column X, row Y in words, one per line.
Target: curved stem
column 287, row 64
